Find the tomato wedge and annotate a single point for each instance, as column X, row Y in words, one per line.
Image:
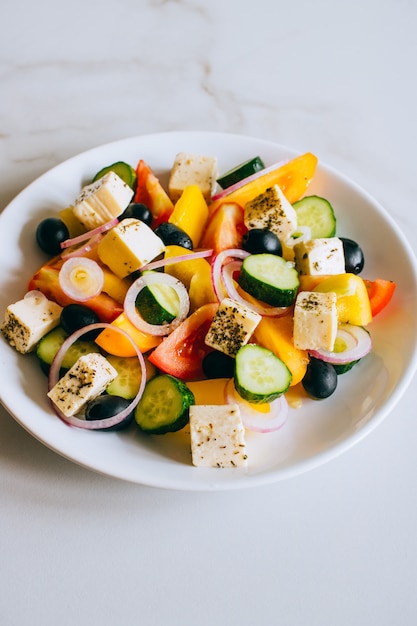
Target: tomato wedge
column 225, row 228
column 150, row 192
column 380, row 292
column 182, row 352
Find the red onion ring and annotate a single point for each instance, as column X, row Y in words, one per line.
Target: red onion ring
column 199, row 254
column 358, row 344
column 68, row 278
column 248, row 179
column 73, row 241
column 266, row 311
column 216, row 269
column 155, row 278
column 255, row 420
column 53, row 378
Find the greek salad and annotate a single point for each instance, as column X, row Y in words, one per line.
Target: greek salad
column 199, row 304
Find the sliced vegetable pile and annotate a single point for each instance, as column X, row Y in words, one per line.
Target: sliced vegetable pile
column 167, row 307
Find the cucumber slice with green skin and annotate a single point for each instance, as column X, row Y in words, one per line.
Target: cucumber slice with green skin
column 158, row 304
column 342, row 368
column 260, row 376
column 49, row 345
column 164, row 406
column 129, row 372
column 240, row 172
column 122, row 169
column 316, row 213
column 269, row 278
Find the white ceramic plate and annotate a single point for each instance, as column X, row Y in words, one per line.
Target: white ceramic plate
column 314, row 433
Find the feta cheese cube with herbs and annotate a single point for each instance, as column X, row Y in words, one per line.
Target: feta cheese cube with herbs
column 271, row 210
column 102, row 200
column 28, row 320
column 232, row 326
column 84, row 381
column 192, row 169
column 320, row 256
column 217, row 436
column 315, row 320
column 129, row 246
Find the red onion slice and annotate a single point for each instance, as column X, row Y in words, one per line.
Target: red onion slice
column 265, row 310
column 260, row 421
column 73, row 241
column 53, row 378
column 199, row 254
column 81, row 278
column 83, row 248
column 216, row 269
column 156, row 278
column 352, row 343
column 248, row 179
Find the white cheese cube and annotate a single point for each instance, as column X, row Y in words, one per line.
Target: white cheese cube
column 271, row 210
column 129, row 246
column 320, row 256
column 28, row 320
column 232, row 326
column 102, row 200
column 192, row 169
column 315, row 320
column 86, row 379
column 217, row 436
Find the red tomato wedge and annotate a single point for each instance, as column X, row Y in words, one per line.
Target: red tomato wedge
column 150, row 192
column 181, row 353
column 380, row 292
column 225, row 228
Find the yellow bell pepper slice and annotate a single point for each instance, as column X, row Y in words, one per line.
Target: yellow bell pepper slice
column 352, row 300
column 194, row 274
column 190, row 213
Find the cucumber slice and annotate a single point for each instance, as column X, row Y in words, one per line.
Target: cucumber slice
column 269, row 278
column 122, row 169
column 316, row 213
column 127, row 382
column 342, row 368
column 260, row 376
column 240, row 172
column 49, row 345
column 158, row 303
column 164, row 406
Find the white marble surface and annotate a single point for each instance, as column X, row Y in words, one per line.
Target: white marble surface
column 334, row 546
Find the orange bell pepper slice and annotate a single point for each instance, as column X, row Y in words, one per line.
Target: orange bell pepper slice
column 293, row 178
column 115, row 343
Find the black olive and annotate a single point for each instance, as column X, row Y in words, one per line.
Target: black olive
column 76, row 316
column 172, row 235
column 218, row 365
column 260, row 240
column 105, row 406
column 320, row 379
column 50, row 233
column 354, row 257
column 139, row 211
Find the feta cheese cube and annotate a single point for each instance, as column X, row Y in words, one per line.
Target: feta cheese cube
column 192, row 169
column 232, row 326
column 315, row 320
column 271, row 210
column 28, row 320
column 102, row 200
column 86, row 379
column 129, row 246
column 217, row 436
column 320, row 256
